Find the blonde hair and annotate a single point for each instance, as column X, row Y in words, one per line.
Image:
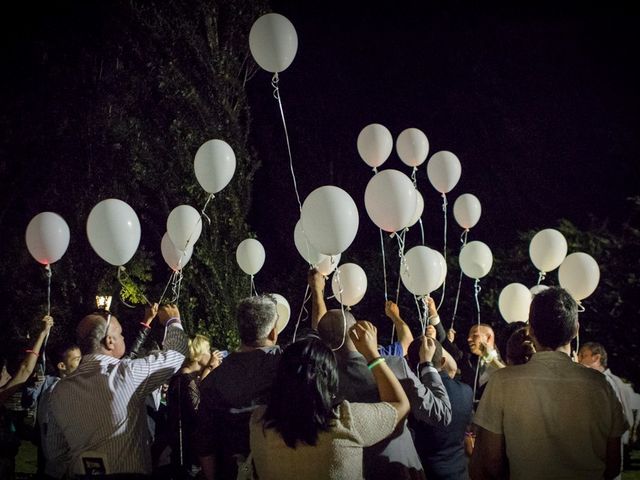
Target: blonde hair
column 197, row 346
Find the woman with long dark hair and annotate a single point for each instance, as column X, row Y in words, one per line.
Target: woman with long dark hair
column 305, row 431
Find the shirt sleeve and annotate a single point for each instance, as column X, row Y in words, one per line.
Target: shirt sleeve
column 490, row 410
column 393, row 350
column 372, row 422
column 428, row 398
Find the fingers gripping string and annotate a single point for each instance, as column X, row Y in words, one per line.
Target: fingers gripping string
column 307, row 296
column 463, row 240
column 476, row 291
column 276, row 95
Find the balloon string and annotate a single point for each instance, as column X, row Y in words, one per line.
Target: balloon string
column 122, row 273
column 401, row 244
column 276, row 94
column 166, row 286
column 463, row 240
column 336, row 276
column 202, row 212
column 384, row 266
column 475, row 381
column 176, row 286
column 303, row 309
column 414, row 178
column 415, row 299
column 444, row 211
column 476, row 291
column 375, row 170
column 541, row 277
column 252, row 287
column 421, row 230
column 48, row 272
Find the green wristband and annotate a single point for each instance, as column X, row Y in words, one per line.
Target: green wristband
column 375, row 363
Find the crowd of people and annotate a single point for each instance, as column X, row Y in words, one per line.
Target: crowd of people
column 334, row 404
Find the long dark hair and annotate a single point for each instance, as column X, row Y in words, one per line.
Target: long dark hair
column 302, row 398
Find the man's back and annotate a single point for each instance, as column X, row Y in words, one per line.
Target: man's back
column 556, row 417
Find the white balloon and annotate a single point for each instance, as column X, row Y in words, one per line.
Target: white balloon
column 47, row 237
column 328, row 264
column 113, row 230
column 514, row 302
column 330, row 219
column 375, row 144
column 444, row 170
column 579, row 275
column 273, row 42
column 412, row 147
column 443, row 268
column 419, row 209
column 421, row 271
column 349, row 284
column 250, row 256
column 304, row 247
column 284, row 311
column 176, row 259
column 214, row 165
column 548, row 249
column 184, row 226
column 467, row 210
column 390, row 200
column 475, row 259
column 537, row 289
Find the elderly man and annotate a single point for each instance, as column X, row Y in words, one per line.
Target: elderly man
column 98, row 423
column 482, row 344
column 232, row 391
column 548, row 418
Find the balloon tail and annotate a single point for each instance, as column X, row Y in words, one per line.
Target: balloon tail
column 541, row 277
column 276, row 95
column 421, row 230
column 384, row 266
column 401, row 244
column 306, row 298
column 202, row 212
column 463, row 240
column 476, row 291
column 444, row 213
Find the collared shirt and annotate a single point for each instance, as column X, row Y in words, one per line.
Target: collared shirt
column 556, row 417
column 99, row 408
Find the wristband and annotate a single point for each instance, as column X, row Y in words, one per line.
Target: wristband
column 426, row 364
column 32, row 352
column 171, row 321
column 469, row 434
column 374, row 363
column 145, row 325
column 434, row 320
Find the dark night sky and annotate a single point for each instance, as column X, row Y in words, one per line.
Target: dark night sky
column 539, row 104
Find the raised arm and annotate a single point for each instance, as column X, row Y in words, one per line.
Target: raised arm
column 405, row 337
column 150, row 313
column 364, row 337
column 434, row 320
column 29, row 363
column 316, row 283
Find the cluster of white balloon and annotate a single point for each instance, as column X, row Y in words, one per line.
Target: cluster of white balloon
column 578, row 273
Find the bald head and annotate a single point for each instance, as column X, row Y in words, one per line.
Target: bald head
column 479, row 334
column 331, row 329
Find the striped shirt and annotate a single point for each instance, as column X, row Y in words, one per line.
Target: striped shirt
column 100, row 407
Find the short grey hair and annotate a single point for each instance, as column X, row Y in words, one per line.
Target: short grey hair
column 256, row 317
column 91, row 332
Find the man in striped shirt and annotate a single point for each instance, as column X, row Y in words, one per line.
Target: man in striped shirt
column 98, row 423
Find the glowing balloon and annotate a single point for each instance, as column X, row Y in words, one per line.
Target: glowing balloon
column 330, row 219
column 328, row 264
column 475, row 259
column 47, row 237
column 113, row 230
column 284, row 311
column 273, row 42
column 444, row 170
column 250, row 256
column 548, row 249
column 419, row 209
column 579, row 275
column 412, row 147
column 390, row 200
column 349, row 284
column 421, row 271
column 514, row 302
column 176, row 259
column 304, row 247
column 467, row 210
column 375, row 144
column 443, row 268
column 184, row 226
column 214, row 165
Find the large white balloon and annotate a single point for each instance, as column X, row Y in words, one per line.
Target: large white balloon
column 548, row 249
column 284, row 311
column 184, row 226
column 514, row 302
column 273, row 42
column 328, row 264
column 419, row 210
column 330, row 219
column 113, row 230
column 250, row 256
column 475, row 259
column 304, row 247
column 421, row 271
column 443, row 268
column 375, row 144
column 176, row 259
column 349, row 284
column 412, row 147
column 47, row 237
column 444, row 170
column 214, row 165
column 467, row 210
column 579, row 275
column 390, row 200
